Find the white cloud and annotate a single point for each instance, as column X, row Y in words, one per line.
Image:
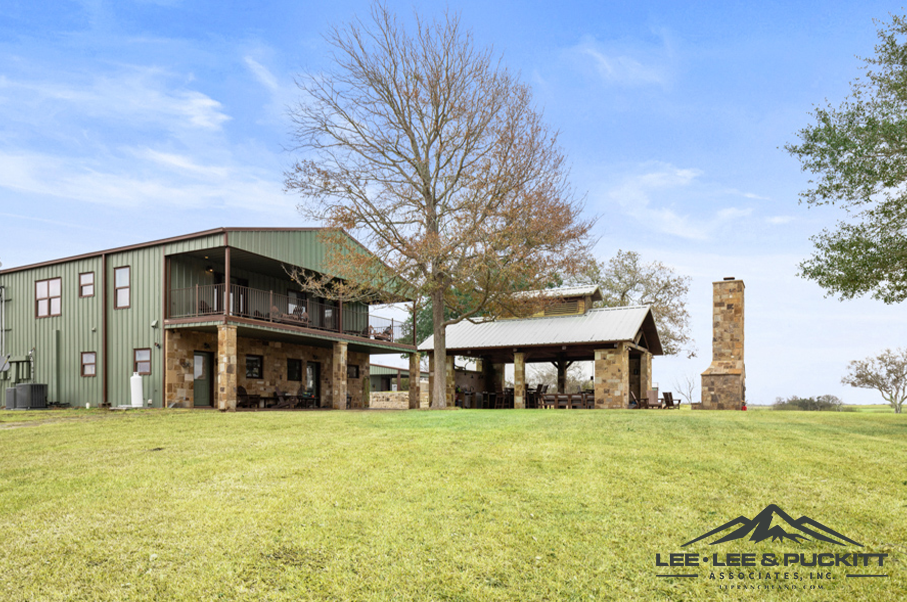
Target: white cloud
column 137, row 95
column 262, row 74
column 635, row 196
column 625, row 64
column 73, row 179
column 780, row 219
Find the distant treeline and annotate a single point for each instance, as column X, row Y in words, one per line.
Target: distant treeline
column 822, row 403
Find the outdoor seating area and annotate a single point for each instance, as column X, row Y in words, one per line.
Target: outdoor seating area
column 278, row 401
column 652, row 402
column 536, row 398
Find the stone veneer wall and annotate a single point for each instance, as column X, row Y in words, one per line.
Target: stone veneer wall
column 724, row 381
column 395, row 400
column 179, row 361
column 611, row 377
column 274, row 370
column 181, row 346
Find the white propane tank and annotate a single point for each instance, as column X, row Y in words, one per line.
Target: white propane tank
column 135, row 386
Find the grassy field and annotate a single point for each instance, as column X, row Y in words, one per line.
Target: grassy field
column 456, row 505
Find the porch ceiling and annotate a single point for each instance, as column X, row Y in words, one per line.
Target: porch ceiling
column 291, row 334
column 240, row 259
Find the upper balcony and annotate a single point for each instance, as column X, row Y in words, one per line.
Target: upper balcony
column 210, row 300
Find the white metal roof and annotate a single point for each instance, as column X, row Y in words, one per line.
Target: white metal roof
column 610, row 324
column 565, row 291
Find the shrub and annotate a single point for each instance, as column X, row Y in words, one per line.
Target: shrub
column 822, row 403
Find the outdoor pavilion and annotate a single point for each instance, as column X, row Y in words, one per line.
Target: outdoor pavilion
column 620, row 340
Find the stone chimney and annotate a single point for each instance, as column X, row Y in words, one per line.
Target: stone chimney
column 724, row 382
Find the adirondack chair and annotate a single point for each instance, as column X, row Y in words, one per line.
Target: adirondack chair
column 653, row 401
column 244, row 400
column 669, row 401
column 634, row 402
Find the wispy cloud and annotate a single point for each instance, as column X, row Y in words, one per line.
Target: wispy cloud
column 135, row 94
column 130, row 188
column 625, row 63
column 262, row 74
column 780, row 219
column 636, row 193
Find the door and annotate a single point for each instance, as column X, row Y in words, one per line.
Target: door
column 312, row 381
column 203, row 385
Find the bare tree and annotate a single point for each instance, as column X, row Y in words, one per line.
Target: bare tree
column 886, row 373
column 429, row 151
column 686, row 387
column 626, row 280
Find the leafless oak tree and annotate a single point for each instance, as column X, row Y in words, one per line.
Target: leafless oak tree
column 429, row 151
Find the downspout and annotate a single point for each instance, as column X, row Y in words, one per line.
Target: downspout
column 104, row 362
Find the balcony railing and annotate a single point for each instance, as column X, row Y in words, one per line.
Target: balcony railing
column 268, row 306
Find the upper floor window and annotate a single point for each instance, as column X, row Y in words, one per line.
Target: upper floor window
column 48, row 297
column 86, row 284
column 121, row 287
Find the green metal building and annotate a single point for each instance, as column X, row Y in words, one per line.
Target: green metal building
column 209, row 319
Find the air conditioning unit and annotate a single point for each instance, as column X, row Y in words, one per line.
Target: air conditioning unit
column 11, row 398
column 31, row 396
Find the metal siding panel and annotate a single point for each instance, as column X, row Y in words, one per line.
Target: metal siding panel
column 78, row 326
column 130, row 329
column 299, row 248
column 195, row 244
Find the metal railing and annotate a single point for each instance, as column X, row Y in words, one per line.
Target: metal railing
column 209, row 299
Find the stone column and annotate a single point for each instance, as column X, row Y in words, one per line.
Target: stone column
column 645, row 372
column 338, row 376
column 724, row 381
column 612, row 377
column 226, row 368
column 414, row 382
column 519, row 380
column 497, row 383
column 451, row 382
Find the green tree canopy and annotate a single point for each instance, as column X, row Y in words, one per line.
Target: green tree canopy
column 858, row 155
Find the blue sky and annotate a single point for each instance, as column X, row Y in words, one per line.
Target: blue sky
column 126, row 121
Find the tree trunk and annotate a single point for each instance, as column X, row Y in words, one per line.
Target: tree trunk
column 439, row 393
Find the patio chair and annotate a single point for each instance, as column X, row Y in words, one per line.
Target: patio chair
column 634, row 402
column 669, row 401
column 244, row 400
column 576, row 401
column 563, row 401
column 653, row 401
column 588, row 400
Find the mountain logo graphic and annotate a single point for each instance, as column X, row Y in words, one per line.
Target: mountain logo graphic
column 775, row 523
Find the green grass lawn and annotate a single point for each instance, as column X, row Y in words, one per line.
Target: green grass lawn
column 456, row 505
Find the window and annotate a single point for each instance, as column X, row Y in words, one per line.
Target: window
column 254, row 366
column 86, row 284
column 121, row 287
column 89, row 363
column 352, row 371
column 294, row 370
column 48, row 297
column 141, row 361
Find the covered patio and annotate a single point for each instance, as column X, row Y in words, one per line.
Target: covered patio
column 620, row 341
